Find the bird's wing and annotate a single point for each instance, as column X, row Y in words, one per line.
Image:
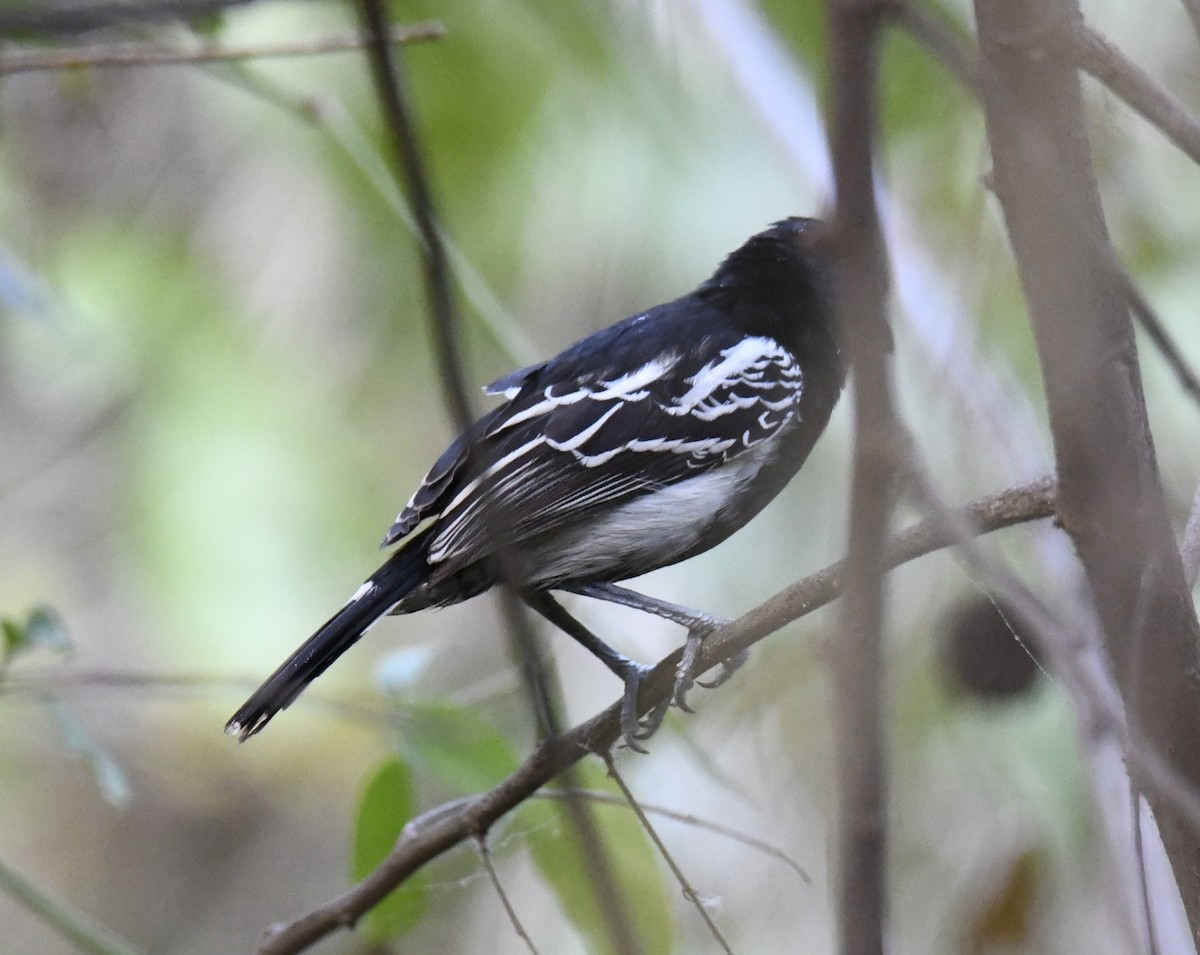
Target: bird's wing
column 563, row 450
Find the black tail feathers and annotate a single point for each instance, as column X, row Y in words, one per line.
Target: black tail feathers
column 404, row 571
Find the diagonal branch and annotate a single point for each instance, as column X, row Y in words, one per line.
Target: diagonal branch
column 540, row 684
column 447, row 826
column 140, row 54
column 1103, row 60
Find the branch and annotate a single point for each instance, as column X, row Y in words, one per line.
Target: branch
column 138, row 54
column 685, row 885
column 688, row 819
column 1093, row 53
column 445, row 827
column 87, row 935
column 860, row 290
column 69, row 18
column 924, row 27
column 1111, row 501
column 1154, row 327
column 485, row 856
column 1193, row 11
column 1104, row 59
column 540, row 684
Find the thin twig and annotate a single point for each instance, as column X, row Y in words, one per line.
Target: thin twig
column 35, row 684
column 689, row 891
column 924, row 27
column 1193, row 11
column 541, row 686
column 70, row 18
column 85, row 933
column 138, row 54
column 485, row 855
column 1097, row 56
column 402, row 129
column 1094, row 54
column 330, row 115
column 1078, row 666
column 688, row 819
column 1154, row 327
column 440, row 830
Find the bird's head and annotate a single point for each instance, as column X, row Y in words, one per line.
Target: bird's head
column 780, row 283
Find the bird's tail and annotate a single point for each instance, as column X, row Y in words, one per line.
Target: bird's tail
column 404, row 571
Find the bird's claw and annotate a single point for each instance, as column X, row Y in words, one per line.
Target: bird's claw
column 727, row 669
column 685, row 673
column 633, row 728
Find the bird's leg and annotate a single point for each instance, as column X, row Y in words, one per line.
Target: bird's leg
column 698, row 624
column 630, row 671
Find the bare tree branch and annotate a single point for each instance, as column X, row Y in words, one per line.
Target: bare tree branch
column 685, row 885
column 86, row 934
column 70, row 18
column 485, row 856
column 943, row 46
column 140, row 54
column 1104, row 61
column 688, row 819
column 935, row 36
column 1155, row 328
column 861, row 290
column 1111, row 501
column 445, row 827
column 542, row 688
column 1193, row 11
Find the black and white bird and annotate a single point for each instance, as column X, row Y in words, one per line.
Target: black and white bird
column 639, row 446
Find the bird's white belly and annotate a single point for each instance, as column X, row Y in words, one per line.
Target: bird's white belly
column 648, row 532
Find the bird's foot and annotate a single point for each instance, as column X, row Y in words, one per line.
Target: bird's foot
column 685, row 673
column 633, row 729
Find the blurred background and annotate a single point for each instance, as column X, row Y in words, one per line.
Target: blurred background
column 217, row 389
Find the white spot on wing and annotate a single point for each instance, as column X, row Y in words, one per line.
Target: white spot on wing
column 628, row 386
column 380, row 617
column 545, row 406
column 362, row 591
column 573, row 442
column 734, row 361
column 498, row 466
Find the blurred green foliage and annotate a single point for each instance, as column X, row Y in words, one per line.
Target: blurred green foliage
column 457, row 745
column 634, row 867
column 388, row 803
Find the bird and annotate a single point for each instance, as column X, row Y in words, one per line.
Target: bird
column 641, row 445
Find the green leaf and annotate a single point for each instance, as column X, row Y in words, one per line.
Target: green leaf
column 637, row 873
column 388, row 802
column 42, row 628
column 458, row 746
column 14, row 637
